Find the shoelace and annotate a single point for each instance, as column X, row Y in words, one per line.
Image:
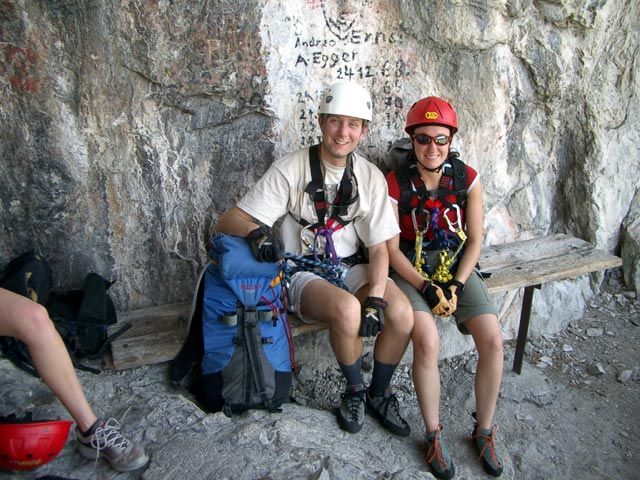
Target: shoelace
column 436, row 451
column 488, row 441
column 391, row 403
column 107, row 436
column 355, row 400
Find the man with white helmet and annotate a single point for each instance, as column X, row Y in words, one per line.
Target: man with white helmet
column 334, row 206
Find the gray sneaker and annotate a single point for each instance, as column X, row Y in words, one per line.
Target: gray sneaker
column 351, row 411
column 387, row 410
column 107, row 441
column 438, row 457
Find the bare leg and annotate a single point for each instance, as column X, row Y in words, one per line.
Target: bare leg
column 341, row 310
column 392, row 342
column 426, row 376
column 485, row 330
column 28, row 321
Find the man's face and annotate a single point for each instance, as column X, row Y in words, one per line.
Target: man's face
column 340, row 137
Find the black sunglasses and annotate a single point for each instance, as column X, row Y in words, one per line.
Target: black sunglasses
column 424, row 139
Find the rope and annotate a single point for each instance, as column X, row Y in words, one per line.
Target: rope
column 331, row 273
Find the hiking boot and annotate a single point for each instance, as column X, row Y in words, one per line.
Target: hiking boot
column 107, row 441
column 484, row 440
column 438, row 457
column 387, row 409
column 351, row 411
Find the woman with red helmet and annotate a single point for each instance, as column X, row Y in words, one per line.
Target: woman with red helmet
column 438, row 202
column 29, row 321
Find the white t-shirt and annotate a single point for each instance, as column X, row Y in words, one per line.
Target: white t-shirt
column 281, row 192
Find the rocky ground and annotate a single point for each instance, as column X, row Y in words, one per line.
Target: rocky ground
column 570, row 415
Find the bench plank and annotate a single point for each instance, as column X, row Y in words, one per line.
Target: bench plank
column 158, row 332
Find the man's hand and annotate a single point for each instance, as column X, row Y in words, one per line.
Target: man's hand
column 264, row 245
column 437, row 298
column 372, row 320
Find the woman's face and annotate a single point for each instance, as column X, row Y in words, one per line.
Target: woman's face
column 431, row 155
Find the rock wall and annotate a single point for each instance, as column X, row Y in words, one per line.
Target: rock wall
column 128, row 127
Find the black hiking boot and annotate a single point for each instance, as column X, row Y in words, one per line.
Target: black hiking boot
column 351, row 411
column 387, row 409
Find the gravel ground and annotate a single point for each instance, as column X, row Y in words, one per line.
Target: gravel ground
column 578, row 422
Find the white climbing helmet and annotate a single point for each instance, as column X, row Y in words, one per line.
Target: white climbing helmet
column 349, row 99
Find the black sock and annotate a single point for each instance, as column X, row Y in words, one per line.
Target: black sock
column 352, row 373
column 92, row 429
column 381, row 378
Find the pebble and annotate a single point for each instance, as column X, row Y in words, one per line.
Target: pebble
column 596, row 369
column 595, row 332
column 625, row 376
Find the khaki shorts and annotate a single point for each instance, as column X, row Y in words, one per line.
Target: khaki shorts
column 474, row 300
column 357, row 277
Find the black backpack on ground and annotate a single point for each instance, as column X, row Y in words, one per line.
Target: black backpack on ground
column 81, row 317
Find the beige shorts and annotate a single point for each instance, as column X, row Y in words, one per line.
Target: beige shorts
column 357, row 277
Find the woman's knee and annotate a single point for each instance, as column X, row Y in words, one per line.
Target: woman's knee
column 35, row 324
column 487, row 335
column 426, row 342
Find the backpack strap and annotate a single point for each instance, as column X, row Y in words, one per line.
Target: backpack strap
column 457, row 174
column 409, row 177
column 187, row 361
column 251, row 332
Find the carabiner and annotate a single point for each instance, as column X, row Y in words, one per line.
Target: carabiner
column 455, row 226
column 306, row 242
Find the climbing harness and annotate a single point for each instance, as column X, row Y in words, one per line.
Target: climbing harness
column 346, row 195
column 426, row 216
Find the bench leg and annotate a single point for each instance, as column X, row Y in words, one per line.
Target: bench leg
column 523, row 329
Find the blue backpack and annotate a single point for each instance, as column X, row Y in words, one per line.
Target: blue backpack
column 239, row 339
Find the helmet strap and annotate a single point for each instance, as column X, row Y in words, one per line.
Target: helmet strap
column 432, row 170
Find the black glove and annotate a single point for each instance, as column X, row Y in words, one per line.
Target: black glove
column 372, row 320
column 437, row 298
column 264, row 245
column 456, row 288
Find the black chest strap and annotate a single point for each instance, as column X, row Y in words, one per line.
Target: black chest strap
column 344, row 197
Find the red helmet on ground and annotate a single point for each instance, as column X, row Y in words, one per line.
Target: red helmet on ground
column 431, row 111
column 25, row 446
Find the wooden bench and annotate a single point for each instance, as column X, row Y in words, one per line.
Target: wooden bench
column 158, row 332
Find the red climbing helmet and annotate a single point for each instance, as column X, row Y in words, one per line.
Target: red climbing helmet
column 24, row 446
column 431, row 111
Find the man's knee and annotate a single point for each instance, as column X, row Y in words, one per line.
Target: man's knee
column 342, row 313
column 399, row 313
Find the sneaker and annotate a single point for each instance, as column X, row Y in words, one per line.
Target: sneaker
column 351, row 411
column 387, row 409
column 438, row 457
column 107, row 441
column 484, row 440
